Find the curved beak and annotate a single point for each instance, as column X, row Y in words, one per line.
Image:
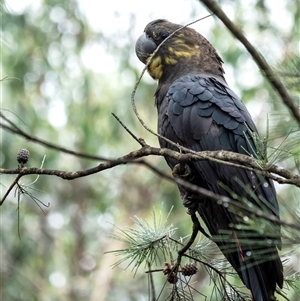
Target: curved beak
column 144, row 47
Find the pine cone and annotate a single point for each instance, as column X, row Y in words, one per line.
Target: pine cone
column 172, row 278
column 23, row 156
column 189, row 269
column 168, row 271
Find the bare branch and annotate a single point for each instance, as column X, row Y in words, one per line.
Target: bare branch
column 223, row 157
column 146, row 151
column 138, row 140
column 281, row 175
column 257, row 57
column 16, row 130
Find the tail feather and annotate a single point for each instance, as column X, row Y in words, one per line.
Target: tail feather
column 261, row 285
column 257, row 263
column 260, row 273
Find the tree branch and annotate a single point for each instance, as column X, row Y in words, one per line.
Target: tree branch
column 223, row 157
column 281, row 175
column 146, row 151
column 257, row 57
column 229, row 158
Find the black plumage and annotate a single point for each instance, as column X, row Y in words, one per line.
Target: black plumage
column 197, row 109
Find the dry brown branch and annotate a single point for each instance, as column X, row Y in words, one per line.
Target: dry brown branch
column 274, row 172
column 196, row 228
column 146, row 151
column 273, row 79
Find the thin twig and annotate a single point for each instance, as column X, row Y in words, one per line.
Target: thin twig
column 273, row 79
column 186, row 247
column 16, row 130
column 152, row 286
column 195, row 231
column 139, row 141
column 15, row 182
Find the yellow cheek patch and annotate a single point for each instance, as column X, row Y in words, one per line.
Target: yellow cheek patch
column 171, row 49
column 183, row 54
column 155, row 68
column 197, row 52
column 184, row 51
column 179, row 41
column 170, row 60
column 178, row 50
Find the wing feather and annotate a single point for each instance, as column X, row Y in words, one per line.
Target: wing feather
column 201, row 112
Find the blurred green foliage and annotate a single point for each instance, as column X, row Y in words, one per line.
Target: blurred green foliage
column 51, row 90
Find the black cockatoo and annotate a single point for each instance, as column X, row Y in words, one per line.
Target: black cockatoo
column 197, row 110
